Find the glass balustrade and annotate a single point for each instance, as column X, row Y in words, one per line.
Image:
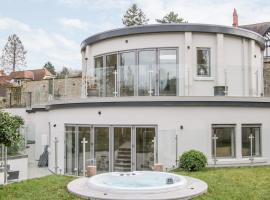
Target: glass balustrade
column 134, row 80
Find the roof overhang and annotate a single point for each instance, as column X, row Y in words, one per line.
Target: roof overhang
column 172, row 28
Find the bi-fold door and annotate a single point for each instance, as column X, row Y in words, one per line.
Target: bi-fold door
column 110, row 148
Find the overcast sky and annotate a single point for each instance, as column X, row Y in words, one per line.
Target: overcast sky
column 52, row 30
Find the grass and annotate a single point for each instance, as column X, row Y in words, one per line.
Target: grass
column 49, row 187
column 247, row 183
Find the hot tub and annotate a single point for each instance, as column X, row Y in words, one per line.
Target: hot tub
column 137, row 185
column 142, row 181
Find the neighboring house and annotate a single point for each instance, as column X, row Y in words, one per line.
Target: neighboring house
column 4, row 84
column 30, row 75
column 17, row 95
column 264, row 30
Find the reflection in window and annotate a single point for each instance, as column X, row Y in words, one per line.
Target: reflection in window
column 70, row 165
column 168, row 72
column 96, row 88
column 145, row 148
column 147, row 73
column 225, row 141
column 111, row 69
column 203, row 61
column 127, row 73
column 101, row 149
column 251, row 133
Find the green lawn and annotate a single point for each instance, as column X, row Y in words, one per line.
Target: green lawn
column 247, row 183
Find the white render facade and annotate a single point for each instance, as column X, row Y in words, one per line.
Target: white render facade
column 152, row 92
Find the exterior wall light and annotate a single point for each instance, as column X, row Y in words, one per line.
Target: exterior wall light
column 99, row 112
column 188, row 47
column 181, row 127
column 126, row 41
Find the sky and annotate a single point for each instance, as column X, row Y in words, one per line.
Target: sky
column 52, row 30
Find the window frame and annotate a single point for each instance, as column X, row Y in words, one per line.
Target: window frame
column 210, row 64
column 260, row 138
column 233, row 142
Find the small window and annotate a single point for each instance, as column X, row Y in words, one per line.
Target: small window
column 223, row 141
column 251, row 140
column 203, row 62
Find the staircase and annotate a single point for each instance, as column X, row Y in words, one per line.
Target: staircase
column 123, row 160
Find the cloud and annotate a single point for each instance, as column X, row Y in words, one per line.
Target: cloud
column 73, row 23
column 42, row 45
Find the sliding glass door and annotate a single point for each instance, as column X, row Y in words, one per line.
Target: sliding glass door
column 75, row 137
column 110, row 148
column 147, row 73
column 111, row 71
column 145, row 137
column 127, row 73
column 70, row 154
column 122, row 149
column 101, row 148
column 167, row 72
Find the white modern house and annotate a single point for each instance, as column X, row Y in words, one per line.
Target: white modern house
column 151, row 92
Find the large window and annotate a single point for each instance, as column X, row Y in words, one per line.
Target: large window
column 96, row 89
column 251, row 140
column 167, row 72
column 142, row 72
column 127, row 73
column 111, row 70
column 203, row 62
column 223, row 141
column 147, row 73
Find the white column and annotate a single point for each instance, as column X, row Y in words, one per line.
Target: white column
column 220, row 67
column 238, row 141
column 245, row 63
column 252, row 69
column 188, row 63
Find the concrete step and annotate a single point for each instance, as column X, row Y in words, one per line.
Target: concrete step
column 122, row 164
column 128, row 157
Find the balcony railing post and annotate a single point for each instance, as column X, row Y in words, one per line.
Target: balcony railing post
column 10, row 100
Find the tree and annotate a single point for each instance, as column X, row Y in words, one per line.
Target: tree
column 134, row 16
column 62, row 74
column 13, row 55
column 9, row 134
column 49, row 66
column 172, row 17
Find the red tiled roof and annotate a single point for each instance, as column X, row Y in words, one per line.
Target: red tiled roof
column 22, row 75
column 34, row 75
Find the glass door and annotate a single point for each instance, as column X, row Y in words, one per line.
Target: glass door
column 147, row 73
column 111, row 75
column 83, row 137
column 70, row 153
column 145, row 137
column 102, row 149
column 122, row 149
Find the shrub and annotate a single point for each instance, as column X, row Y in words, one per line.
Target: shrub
column 193, row 160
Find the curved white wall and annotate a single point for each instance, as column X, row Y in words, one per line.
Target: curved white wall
column 236, row 62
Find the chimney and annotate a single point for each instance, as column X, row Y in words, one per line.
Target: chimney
column 235, row 18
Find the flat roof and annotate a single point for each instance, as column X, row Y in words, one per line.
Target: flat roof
column 161, row 101
column 170, row 28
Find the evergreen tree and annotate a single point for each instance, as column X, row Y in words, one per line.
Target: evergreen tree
column 172, row 17
column 49, row 66
column 64, row 73
column 134, row 16
column 13, row 55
